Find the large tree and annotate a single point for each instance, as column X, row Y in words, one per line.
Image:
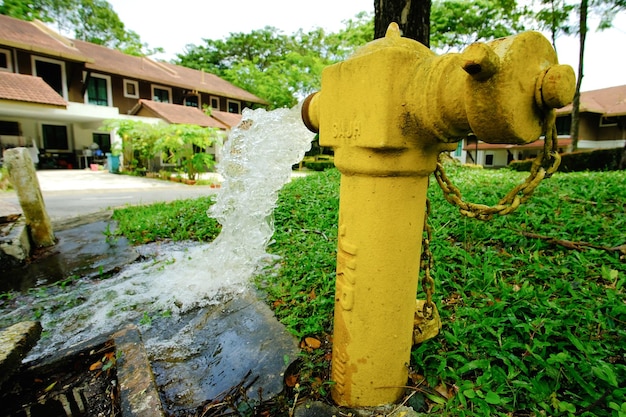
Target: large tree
column 458, row 23
column 413, row 17
column 280, row 68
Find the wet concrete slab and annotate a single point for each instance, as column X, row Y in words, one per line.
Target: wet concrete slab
column 15, row 342
column 236, row 343
column 85, row 251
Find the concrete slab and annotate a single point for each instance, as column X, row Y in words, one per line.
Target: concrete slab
column 234, row 342
column 14, row 243
column 15, row 343
column 82, row 251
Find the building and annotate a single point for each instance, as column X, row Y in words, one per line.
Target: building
column 602, row 126
column 56, row 92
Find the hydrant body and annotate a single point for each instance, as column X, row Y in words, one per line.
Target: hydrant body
column 388, row 112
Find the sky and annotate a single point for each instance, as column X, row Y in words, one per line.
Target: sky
column 173, row 24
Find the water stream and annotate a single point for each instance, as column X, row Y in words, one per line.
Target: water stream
column 178, row 278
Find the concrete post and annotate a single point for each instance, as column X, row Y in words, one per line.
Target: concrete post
column 24, row 178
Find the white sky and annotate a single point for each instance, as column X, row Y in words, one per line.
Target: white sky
column 172, row 24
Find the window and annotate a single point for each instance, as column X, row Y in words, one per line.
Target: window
column 52, row 72
column 9, row 128
column 103, row 140
column 459, row 149
column 161, row 94
column 234, row 107
column 191, row 101
column 607, row 121
column 5, row 61
column 215, row 103
column 98, row 90
column 563, row 125
column 131, row 89
column 55, row 137
column 489, row 159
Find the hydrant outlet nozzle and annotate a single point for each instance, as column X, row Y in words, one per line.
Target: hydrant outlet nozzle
column 310, row 112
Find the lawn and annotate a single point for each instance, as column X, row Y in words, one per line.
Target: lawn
column 533, row 304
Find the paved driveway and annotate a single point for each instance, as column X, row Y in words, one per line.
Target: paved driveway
column 72, row 195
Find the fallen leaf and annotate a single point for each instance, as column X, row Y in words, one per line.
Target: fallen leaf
column 312, row 342
column 291, row 380
column 442, row 389
column 96, row 365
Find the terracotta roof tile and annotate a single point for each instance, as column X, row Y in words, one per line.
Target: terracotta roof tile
column 35, row 36
column 211, row 83
column 175, row 113
column 609, row 101
column 229, row 119
column 142, row 68
column 19, row 87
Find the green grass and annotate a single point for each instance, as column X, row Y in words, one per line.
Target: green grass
column 530, row 326
column 178, row 220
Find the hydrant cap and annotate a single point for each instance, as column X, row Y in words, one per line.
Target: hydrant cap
column 557, row 86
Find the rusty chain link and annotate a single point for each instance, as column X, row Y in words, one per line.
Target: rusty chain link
column 544, row 165
column 428, row 283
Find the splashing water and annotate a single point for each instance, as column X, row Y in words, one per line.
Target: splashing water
column 257, row 160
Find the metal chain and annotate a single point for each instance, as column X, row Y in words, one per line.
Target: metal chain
column 544, row 165
column 428, row 283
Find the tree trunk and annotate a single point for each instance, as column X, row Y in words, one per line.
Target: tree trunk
column 413, row 17
column 584, row 4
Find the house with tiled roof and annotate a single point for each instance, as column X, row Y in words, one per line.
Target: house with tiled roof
column 602, row 126
column 55, row 93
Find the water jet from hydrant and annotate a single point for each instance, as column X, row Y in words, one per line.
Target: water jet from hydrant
column 256, row 163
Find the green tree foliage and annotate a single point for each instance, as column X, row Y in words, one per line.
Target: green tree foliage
column 280, row 68
column 457, row 23
column 93, row 21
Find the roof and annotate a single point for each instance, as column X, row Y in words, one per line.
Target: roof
column 26, row 88
column 538, row 144
column 609, row 101
column 229, row 119
column 176, row 113
column 37, row 37
column 142, row 68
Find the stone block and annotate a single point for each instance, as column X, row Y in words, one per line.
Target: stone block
column 15, row 342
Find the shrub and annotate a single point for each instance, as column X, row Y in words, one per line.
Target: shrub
column 594, row 160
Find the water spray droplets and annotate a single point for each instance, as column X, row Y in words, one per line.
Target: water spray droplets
column 256, row 163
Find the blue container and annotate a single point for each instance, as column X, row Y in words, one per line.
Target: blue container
column 113, row 161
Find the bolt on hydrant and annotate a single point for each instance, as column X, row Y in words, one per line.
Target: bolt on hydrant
column 389, row 111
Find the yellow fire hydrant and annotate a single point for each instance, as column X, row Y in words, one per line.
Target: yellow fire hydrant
column 388, row 112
